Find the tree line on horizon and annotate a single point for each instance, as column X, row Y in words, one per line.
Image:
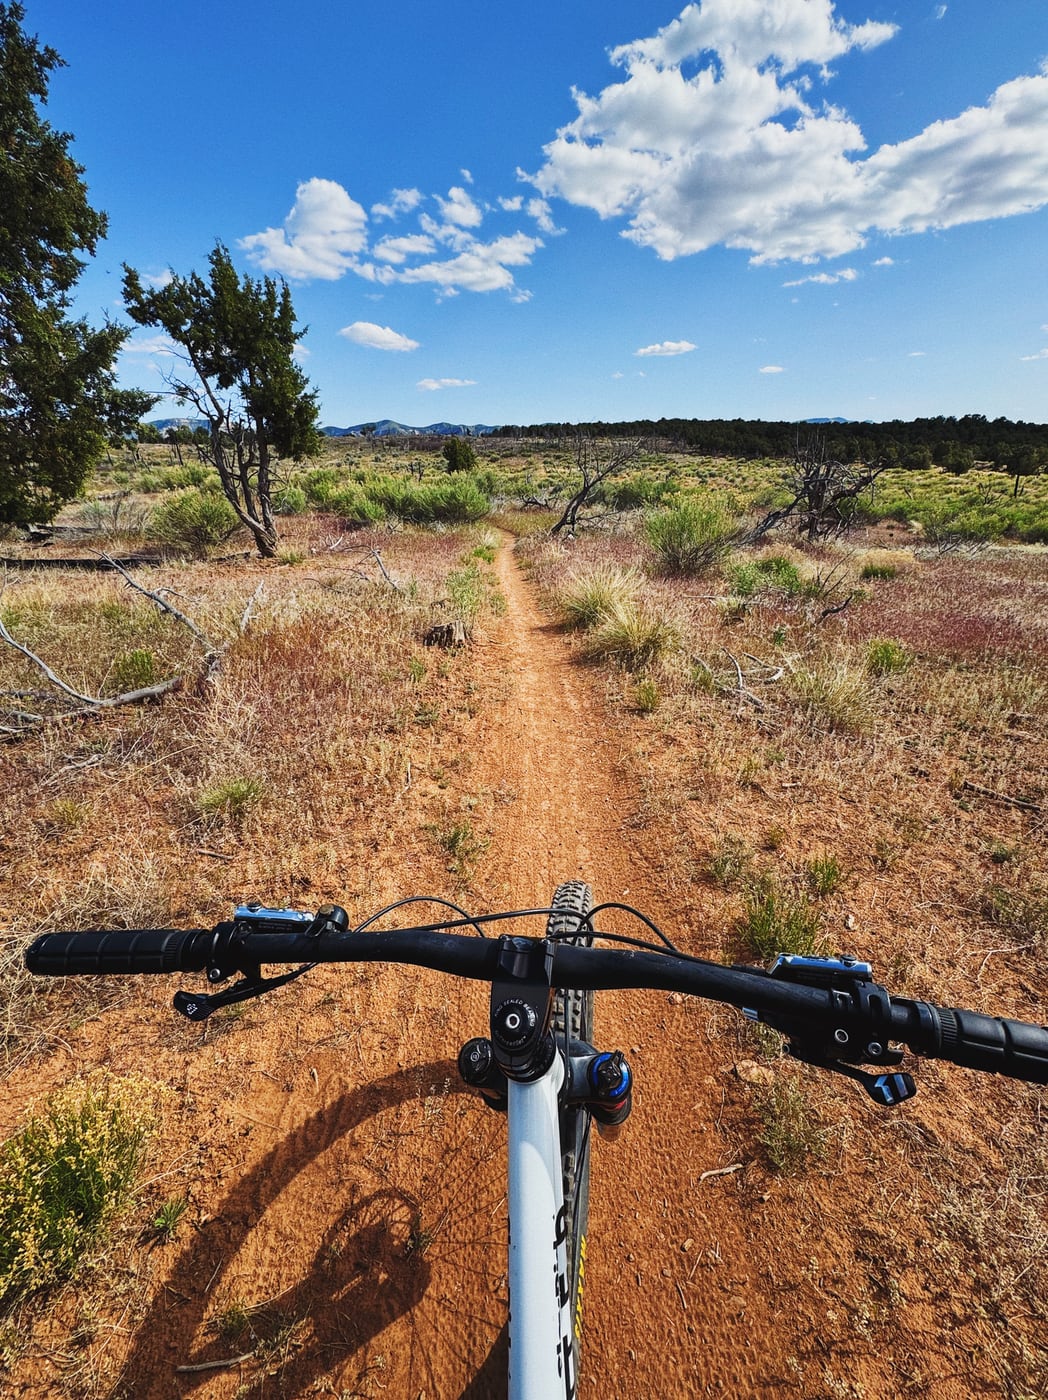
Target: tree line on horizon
column 954, row 444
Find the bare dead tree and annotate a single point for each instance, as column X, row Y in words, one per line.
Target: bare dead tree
column 823, row 495
column 595, row 463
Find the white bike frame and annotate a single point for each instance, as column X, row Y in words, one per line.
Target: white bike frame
column 541, row 1355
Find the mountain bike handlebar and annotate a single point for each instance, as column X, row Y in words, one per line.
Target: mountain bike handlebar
column 830, row 1009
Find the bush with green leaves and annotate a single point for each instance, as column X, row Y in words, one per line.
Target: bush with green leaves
column 459, row 455
column 353, row 505
column 65, row 1176
column 134, row 670
column 689, row 538
column 194, row 520
column 290, row 500
column 759, row 575
column 885, row 656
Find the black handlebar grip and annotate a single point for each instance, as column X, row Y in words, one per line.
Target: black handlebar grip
column 117, row 951
column 990, row 1043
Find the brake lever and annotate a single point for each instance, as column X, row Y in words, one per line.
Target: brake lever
column 257, row 918
column 198, row 1006
column 888, row 1090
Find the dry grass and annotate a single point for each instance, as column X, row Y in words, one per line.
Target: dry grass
column 308, row 738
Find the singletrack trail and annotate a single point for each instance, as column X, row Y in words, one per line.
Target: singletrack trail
column 566, row 807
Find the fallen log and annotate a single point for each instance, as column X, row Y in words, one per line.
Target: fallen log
column 90, row 562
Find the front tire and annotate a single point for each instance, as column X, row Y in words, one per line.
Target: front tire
column 573, row 1022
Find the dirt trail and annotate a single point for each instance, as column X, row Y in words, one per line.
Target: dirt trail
column 568, row 810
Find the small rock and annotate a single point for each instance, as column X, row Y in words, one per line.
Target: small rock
column 688, row 1244
column 750, row 1072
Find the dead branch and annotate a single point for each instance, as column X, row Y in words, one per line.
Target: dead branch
column 245, row 617
column 56, row 681
column 744, row 692
column 11, row 733
column 837, row 608
column 163, row 605
column 377, row 556
column 1023, row 802
column 216, row 1365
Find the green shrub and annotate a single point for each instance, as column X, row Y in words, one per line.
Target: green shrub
column 64, row 1177
column 230, row 799
column 194, row 520
column 353, row 505
column 689, row 538
column 453, row 500
column 882, row 571
column 745, row 580
column 133, row 671
column 290, row 500
column 885, row 656
column 790, row 1134
column 647, row 697
column 823, row 874
column 459, row 455
column 320, row 485
column 635, row 493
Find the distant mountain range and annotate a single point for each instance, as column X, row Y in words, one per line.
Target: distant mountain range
column 388, row 428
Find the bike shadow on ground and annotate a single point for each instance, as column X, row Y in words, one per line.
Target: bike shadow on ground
column 364, row 1275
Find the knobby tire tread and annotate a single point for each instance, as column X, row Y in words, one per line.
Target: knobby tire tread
column 573, row 1021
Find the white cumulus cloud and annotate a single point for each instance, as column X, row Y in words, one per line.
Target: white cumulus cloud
column 431, row 384
column 716, row 135
column 460, row 209
column 667, row 347
column 148, row 345
column 772, row 369
column 377, row 337
column 1041, row 355
column 327, row 235
column 320, row 236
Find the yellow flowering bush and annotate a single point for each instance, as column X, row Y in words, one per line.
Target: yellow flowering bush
column 65, row 1175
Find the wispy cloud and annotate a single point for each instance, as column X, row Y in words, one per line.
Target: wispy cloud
column 429, row 385
column 825, row 279
column 717, row 134
column 374, row 337
column 148, row 345
column 772, row 369
column 1041, row 355
column 327, row 234
column 667, row 347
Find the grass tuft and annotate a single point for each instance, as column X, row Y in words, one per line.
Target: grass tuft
column 634, row 639
column 778, row 921
column 790, row 1135
column 589, row 599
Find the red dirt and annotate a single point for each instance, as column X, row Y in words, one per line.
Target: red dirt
column 342, row 1184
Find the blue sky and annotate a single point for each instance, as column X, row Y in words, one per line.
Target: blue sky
column 588, row 209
